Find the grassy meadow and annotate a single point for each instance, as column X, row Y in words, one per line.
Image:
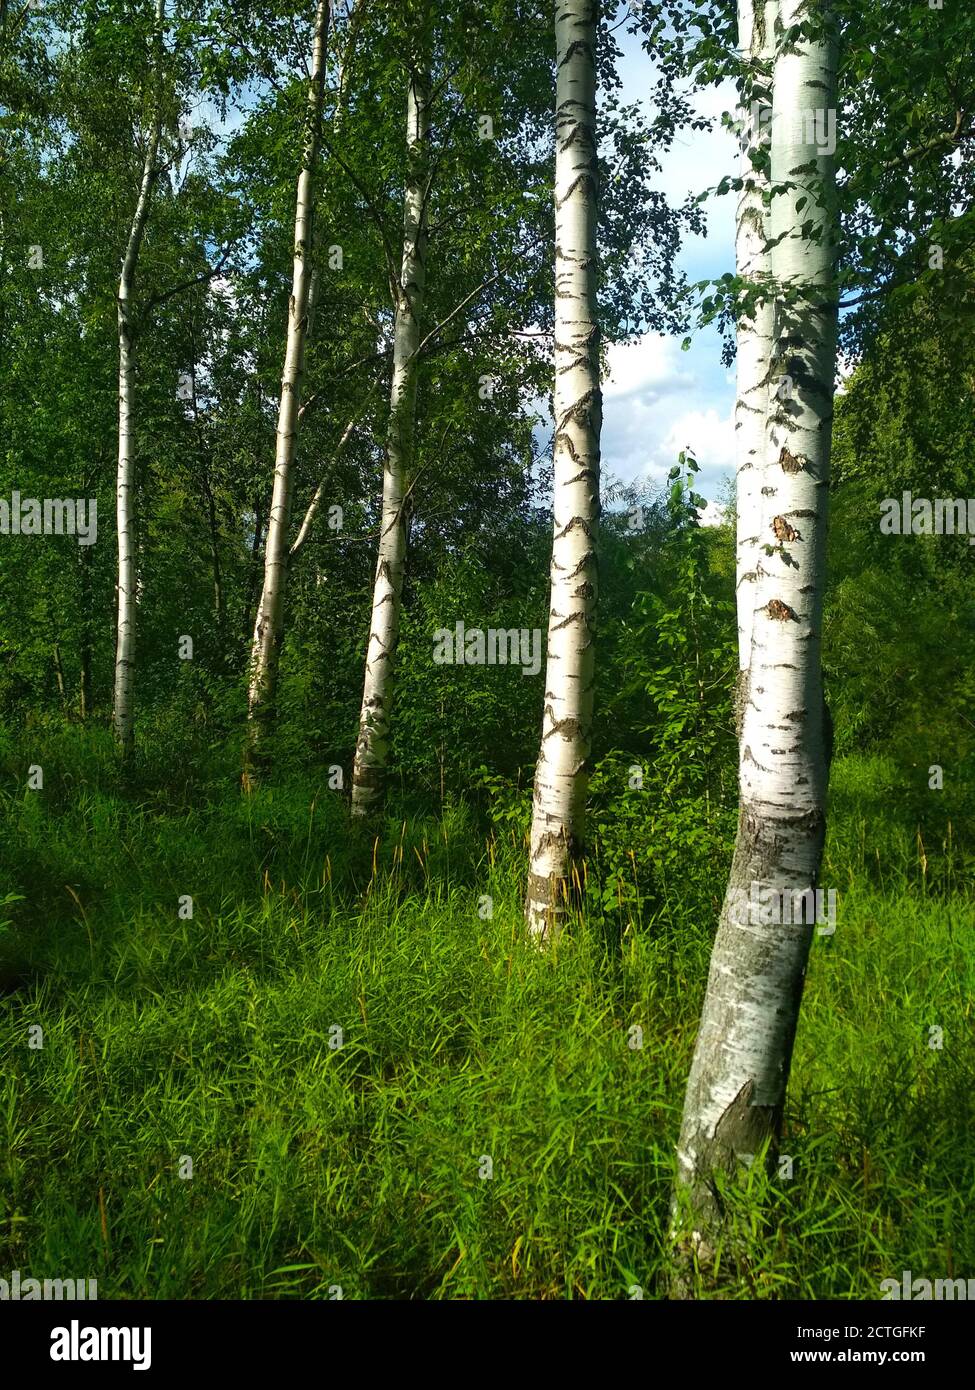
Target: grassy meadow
column 385, row 1092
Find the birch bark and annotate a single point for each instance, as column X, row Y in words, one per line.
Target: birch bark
column 255, row 571
column 756, row 42
column 314, row 291
column 123, row 711
column 372, row 744
column 561, row 774
column 740, row 1070
column 269, row 624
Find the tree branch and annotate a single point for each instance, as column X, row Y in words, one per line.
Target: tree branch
column 201, row 279
column 947, row 137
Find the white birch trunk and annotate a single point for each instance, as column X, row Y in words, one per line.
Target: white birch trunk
column 269, row 624
column 756, row 42
column 738, row 1079
column 123, row 709
column 312, row 308
column 561, row 774
column 313, row 297
column 372, row 744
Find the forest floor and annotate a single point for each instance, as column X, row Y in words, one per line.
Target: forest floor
column 381, row 1091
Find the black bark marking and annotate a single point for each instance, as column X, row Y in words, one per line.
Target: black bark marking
column 780, row 611
column 783, row 531
column 792, row 463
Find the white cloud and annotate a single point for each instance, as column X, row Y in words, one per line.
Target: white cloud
column 660, row 401
column 645, row 367
column 707, row 434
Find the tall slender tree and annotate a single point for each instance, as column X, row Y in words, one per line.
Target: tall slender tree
column 561, row 774
column 269, row 625
column 372, row 744
column 123, row 709
column 756, row 42
column 736, row 1092
column 346, row 53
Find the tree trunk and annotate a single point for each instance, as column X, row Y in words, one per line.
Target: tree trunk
column 210, row 502
column 308, row 522
column 269, row 623
column 311, row 513
column 561, row 774
column 254, row 573
column 756, row 42
column 735, row 1096
column 59, row 674
column 123, row 708
column 85, row 654
column 214, row 530
column 372, row 744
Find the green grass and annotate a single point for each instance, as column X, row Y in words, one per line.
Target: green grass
column 358, row 1166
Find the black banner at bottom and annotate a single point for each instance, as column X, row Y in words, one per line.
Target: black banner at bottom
column 164, row 1339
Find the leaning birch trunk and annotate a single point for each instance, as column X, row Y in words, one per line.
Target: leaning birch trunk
column 269, row 623
column 282, row 579
column 123, row 710
column 756, row 42
column 735, row 1096
column 561, row 774
column 313, row 296
column 372, row 744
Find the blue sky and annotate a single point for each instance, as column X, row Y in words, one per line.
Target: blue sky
column 657, row 399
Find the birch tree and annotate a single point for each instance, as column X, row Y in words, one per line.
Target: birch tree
column 756, row 42
column 561, row 773
column 372, row 744
column 123, row 711
column 735, row 1095
column 269, row 625
column 346, row 53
